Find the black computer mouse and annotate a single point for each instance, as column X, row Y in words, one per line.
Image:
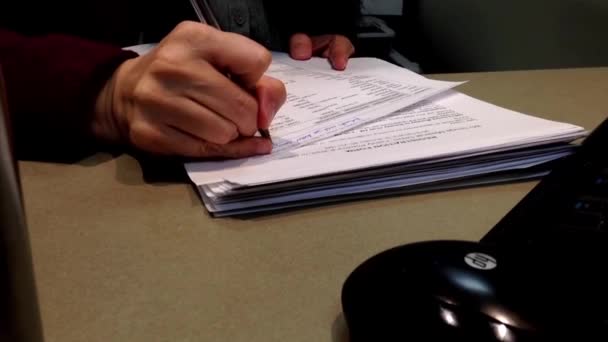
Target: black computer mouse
column 468, row 291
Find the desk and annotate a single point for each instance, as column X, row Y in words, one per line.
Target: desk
column 117, row 259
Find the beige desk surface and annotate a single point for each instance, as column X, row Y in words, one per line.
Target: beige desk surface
column 117, row 259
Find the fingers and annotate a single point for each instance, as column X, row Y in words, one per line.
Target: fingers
column 320, row 44
column 336, row 48
column 213, row 90
column 232, row 53
column 189, row 116
column 340, row 50
column 271, row 94
column 300, row 46
column 166, row 140
column 205, row 74
column 239, row 148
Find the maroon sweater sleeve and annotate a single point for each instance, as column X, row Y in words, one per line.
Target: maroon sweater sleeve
column 52, row 83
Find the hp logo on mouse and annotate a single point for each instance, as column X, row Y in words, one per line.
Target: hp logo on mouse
column 480, row 261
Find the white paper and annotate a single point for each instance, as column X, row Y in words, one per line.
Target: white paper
column 141, row 49
column 322, row 102
column 370, row 129
column 453, row 184
column 452, row 125
column 375, row 185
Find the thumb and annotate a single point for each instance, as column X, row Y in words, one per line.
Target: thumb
column 271, row 95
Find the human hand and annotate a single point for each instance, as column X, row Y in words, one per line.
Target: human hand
column 178, row 100
column 336, row 48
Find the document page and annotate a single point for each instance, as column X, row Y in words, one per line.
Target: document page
column 366, row 185
column 451, row 125
column 322, row 102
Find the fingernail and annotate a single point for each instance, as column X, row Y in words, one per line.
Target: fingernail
column 273, row 110
column 298, row 51
column 340, row 63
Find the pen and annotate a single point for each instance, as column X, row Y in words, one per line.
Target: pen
column 206, row 16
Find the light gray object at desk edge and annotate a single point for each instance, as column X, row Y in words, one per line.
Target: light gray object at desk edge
column 385, row 33
column 381, row 7
column 19, row 301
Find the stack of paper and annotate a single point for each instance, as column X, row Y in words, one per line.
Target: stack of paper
column 377, row 130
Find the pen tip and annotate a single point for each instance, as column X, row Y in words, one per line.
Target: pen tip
column 265, row 134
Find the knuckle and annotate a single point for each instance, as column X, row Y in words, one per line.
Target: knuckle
column 166, row 67
column 247, row 105
column 170, row 74
column 247, row 110
column 202, row 150
column 192, row 31
column 144, row 94
column 206, row 149
column 262, row 58
column 281, row 91
column 187, row 27
column 227, row 135
column 162, row 56
column 230, row 151
column 142, row 136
